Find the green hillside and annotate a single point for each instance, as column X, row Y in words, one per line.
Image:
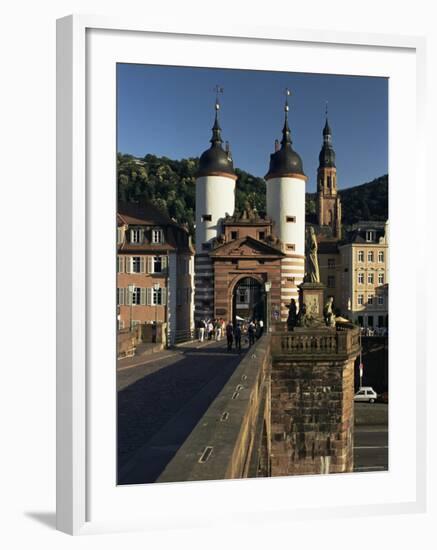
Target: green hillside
column 170, row 184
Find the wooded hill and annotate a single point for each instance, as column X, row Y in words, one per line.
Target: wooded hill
column 170, row 185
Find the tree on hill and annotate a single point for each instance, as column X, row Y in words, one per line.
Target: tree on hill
column 170, row 185
column 368, row 201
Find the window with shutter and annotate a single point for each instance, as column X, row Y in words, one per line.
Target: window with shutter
column 136, row 296
column 135, row 236
column 157, row 236
column 163, row 296
column 143, row 297
column 142, row 262
column 157, row 264
column 136, row 264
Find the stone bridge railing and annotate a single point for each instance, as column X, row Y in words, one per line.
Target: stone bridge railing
column 232, row 439
column 244, row 431
column 321, row 342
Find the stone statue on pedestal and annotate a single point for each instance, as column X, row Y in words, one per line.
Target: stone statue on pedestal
column 313, row 274
column 328, row 314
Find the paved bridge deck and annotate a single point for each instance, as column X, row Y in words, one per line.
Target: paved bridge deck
column 161, row 398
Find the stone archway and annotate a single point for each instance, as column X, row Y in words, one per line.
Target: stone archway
column 248, row 299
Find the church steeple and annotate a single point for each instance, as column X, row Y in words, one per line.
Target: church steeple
column 328, row 202
column 327, row 153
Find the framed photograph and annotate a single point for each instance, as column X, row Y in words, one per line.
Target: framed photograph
column 238, row 329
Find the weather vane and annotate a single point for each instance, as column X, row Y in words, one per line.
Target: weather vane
column 326, row 109
column 218, row 90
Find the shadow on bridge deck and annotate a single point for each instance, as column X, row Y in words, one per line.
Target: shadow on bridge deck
column 158, row 411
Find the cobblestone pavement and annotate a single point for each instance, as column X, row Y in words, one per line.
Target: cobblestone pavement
column 179, row 383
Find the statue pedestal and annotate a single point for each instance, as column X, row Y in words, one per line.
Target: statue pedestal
column 312, row 295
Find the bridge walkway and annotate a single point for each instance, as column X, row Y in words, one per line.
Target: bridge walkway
column 161, row 398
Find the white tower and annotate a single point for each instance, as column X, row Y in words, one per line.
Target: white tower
column 215, row 197
column 285, row 182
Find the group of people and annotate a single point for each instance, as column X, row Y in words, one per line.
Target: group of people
column 249, row 330
column 215, row 329
column 211, row 329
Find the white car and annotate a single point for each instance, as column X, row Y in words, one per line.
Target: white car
column 366, row 393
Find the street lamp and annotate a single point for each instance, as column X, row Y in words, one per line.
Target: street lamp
column 131, row 289
column 267, row 288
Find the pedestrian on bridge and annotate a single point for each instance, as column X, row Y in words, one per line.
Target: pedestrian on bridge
column 202, row 326
column 229, row 335
column 237, row 336
column 210, row 326
column 251, row 333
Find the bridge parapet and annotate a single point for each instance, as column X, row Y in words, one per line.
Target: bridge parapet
column 232, row 439
column 334, row 342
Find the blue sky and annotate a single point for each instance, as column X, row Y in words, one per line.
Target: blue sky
column 170, row 110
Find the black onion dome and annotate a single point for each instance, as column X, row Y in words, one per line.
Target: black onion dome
column 285, row 161
column 327, row 153
column 215, row 160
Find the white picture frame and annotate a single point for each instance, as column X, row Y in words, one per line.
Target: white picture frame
column 76, row 237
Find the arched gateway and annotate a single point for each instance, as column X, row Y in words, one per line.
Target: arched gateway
column 248, row 300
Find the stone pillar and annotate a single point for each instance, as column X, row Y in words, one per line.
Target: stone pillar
column 312, row 295
column 312, row 390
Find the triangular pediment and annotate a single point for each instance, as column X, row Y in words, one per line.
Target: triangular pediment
column 246, row 247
